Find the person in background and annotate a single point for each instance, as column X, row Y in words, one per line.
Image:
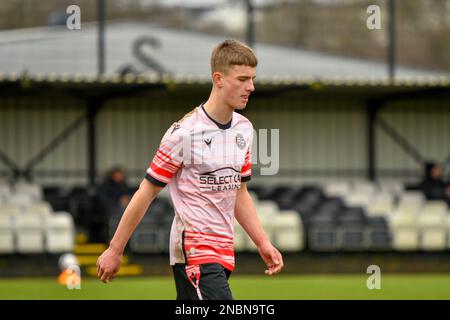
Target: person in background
column 114, row 192
column 433, row 186
column 114, row 196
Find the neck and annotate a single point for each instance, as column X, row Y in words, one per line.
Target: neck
column 218, row 109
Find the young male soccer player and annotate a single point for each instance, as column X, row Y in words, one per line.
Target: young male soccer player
column 205, row 159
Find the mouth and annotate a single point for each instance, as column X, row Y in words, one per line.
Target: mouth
column 245, row 97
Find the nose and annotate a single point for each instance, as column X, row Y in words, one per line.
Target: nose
column 251, row 86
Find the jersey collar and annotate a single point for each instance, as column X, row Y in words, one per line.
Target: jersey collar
column 220, row 125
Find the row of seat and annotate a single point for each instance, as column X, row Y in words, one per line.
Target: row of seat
column 29, row 225
column 152, row 233
column 336, row 220
column 32, row 232
column 321, row 218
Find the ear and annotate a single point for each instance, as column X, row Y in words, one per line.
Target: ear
column 217, row 79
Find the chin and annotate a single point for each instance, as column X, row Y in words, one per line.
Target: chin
column 240, row 107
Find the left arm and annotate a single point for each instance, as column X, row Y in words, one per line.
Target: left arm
column 245, row 214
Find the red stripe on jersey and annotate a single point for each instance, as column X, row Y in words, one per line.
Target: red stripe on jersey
column 207, row 247
column 200, row 247
column 207, row 234
column 161, row 171
column 246, row 168
column 159, row 158
column 247, row 163
column 164, row 155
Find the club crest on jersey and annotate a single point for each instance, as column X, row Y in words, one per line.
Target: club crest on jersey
column 240, row 142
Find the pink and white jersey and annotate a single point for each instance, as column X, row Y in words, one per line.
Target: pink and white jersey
column 203, row 162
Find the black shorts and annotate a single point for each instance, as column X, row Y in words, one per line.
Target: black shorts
column 207, row 281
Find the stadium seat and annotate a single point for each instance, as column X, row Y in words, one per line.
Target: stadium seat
column 6, row 234
column 332, row 205
column 59, row 232
column 5, row 192
column 264, row 192
column 40, row 208
column 435, row 207
column 394, row 188
column 411, row 198
column 29, row 233
column 288, row 231
column 447, row 226
column 34, row 191
column 431, row 222
column 352, row 216
column 57, row 197
column 352, row 228
column 10, row 209
column 360, row 199
column 287, row 197
column 404, row 230
column 159, row 211
column 309, row 199
column 378, row 236
column 337, row 189
column 323, row 232
column 282, row 190
column 411, row 203
column 266, row 208
column 22, row 200
column 364, row 187
column 382, row 205
column 147, row 238
column 433, row 239
column 80, row 205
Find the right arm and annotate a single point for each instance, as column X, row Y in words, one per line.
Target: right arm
column 108, row 263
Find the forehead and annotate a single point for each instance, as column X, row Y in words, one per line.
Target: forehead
column 241, row 70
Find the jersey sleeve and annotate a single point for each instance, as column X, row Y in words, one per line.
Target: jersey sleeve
column 246, row 171
column 168, row 158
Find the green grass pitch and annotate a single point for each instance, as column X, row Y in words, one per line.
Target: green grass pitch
column 393, row 286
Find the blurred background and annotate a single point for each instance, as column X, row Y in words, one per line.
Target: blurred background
column 364, row 141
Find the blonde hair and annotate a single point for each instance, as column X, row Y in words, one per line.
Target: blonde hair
column 231, row 52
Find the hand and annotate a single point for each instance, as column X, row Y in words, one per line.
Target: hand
column 271, row 257
column 108, row 264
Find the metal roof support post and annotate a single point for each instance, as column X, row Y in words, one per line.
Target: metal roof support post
column 373, row 106
column 93, row 106
column 392, row 40
column 101, row 9
column 250, row 37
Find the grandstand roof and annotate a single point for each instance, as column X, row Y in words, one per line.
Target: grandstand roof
column 184, row 54
column 105, row 87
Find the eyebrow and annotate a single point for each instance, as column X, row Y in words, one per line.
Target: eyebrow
column 246, row 77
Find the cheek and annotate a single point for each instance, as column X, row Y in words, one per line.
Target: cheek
column 232, row 90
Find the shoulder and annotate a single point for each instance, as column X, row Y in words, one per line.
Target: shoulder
column 242, row 121
column 188, row 122
column 183, row 126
